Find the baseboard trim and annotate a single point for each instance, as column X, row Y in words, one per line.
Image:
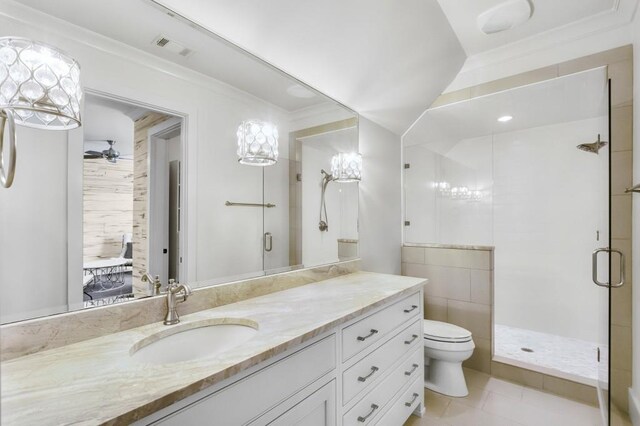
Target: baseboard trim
column 634, row 408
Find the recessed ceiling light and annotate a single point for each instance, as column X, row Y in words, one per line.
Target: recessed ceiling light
column 505, row 118
column 300, row 91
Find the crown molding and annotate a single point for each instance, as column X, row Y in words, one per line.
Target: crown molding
column 621, row 14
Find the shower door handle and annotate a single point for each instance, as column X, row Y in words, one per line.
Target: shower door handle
column 268, row 241
column 594, row 267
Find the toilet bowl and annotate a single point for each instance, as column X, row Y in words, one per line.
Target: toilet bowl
column 446, row 346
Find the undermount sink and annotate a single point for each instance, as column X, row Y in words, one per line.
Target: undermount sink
column 191, row 341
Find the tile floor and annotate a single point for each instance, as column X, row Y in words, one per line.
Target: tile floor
column 573, row 358
column 496, row 402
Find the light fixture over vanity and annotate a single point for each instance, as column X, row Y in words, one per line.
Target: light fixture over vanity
column 257, row 143
column 39, row 88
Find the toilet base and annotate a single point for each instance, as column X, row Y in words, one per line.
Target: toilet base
column 447, row 378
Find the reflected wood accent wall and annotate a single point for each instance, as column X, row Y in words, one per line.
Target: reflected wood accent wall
column 107, row 207
column 141, row 198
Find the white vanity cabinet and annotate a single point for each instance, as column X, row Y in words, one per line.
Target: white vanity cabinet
column 367, row 371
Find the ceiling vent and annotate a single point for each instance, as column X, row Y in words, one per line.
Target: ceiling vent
column 172, row 46
column 505, row 16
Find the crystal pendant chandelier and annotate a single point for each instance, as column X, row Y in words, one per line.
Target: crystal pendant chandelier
column 39, row 88
column 346, row 167
column 257, row 143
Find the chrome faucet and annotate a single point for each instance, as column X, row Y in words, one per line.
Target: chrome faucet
column 147, row 277
column 175, row 294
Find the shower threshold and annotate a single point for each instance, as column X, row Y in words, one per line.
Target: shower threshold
column 563, row 357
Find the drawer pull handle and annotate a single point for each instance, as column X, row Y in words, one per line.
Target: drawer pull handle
column 364, row 379
column 410, row 341
column 410, row 372
column 373, row 331
column 406, row 311
column 410, row 403
column 361, row 419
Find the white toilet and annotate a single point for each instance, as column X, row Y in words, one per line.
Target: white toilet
column 446, row 346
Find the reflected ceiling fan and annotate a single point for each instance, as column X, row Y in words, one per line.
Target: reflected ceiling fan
column 111, row 155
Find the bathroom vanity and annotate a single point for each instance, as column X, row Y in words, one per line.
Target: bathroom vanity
column 343, row 351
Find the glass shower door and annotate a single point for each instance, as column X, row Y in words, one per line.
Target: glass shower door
column 277, row 226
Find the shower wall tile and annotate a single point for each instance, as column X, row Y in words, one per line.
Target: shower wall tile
column 530, row 77
column 620, row 382
column 481, row 358
column 451, row 97
column 444, row 282
column 458, row 258
column 435, row 309
column 620, row 347
column 413, row 254
column 622, row 165
column 481, row 287
column 474, row 317
column 596, row 60
column 621, row 216
column 570, row 389
column 621, row 297
column 622, row 128
column 450, row 283
column 459, row 291
column 621, row 75
column 515, row 374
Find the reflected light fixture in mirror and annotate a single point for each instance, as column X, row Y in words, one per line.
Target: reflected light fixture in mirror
column 346, row 167
column 39, row 88
column 257, row 143
column 505, row 118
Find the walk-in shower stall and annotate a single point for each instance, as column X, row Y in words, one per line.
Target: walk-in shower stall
column 526, row 173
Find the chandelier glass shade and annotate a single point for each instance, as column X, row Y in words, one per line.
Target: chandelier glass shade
column 346, row 167
column 257, row 143
column 40, row 84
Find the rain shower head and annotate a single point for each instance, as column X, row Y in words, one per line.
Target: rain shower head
column 592, row 147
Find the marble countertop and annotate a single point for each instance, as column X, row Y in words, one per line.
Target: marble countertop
column 97, row 382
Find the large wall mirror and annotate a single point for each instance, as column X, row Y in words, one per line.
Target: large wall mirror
column 195, row 162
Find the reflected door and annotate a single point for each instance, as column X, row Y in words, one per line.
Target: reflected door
column 278, row 216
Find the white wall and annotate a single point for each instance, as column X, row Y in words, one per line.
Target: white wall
column 101, row 122
column 33, row 228
column 380, row 199
column 634, row 403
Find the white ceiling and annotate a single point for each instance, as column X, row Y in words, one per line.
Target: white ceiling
column 547, row 15
column 138, row 23
column 107, row 119
column 388, row 60
column 565, row 99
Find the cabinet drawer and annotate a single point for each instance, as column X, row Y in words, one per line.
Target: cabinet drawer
column 401, row 408
column 262, row 390
column 378, row 363
column 407, row 371
column 362, row 334
column 318, row 408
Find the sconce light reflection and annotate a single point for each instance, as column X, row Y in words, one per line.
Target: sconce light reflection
column 257, row 143
column 346, row 167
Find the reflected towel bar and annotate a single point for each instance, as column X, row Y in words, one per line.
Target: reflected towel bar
column 635, row 188
column 268, row 205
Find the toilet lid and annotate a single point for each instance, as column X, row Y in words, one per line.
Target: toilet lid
column 442, row 331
